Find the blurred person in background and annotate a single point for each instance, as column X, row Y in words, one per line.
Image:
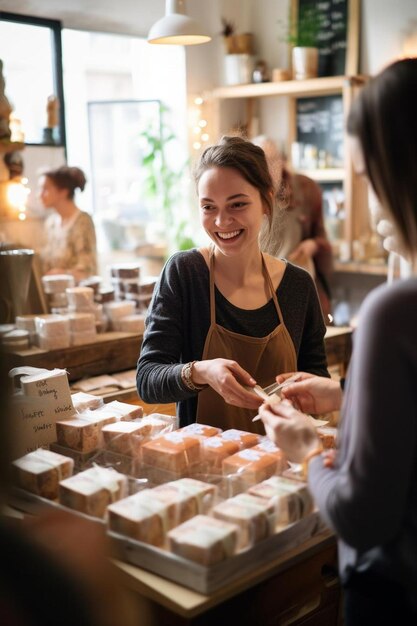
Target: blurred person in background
column 297, row 231
column 70, row 246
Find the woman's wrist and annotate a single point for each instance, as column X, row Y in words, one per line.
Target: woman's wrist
column 187, row 377
column 313, row 452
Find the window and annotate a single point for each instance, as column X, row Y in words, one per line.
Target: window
column 30, row 49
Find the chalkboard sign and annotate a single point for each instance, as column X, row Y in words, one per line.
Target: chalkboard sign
column 320, row 123
column 332, row 39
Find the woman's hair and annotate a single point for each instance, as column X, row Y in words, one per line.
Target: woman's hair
column 384, row 119
column 242, row 155
column 69, row 178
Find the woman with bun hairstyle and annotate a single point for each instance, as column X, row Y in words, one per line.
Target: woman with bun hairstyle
column 70, row 234
column 226, row 315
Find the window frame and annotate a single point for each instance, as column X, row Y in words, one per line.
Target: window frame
column 55, row 27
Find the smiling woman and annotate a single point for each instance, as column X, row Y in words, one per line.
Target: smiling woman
column 227, row 316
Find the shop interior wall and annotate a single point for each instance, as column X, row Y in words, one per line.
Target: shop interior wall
column 384, row 27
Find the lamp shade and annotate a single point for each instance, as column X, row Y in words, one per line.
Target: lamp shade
column 177, row 28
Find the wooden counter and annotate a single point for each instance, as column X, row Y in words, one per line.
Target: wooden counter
column 298, row 587
column 115, row 352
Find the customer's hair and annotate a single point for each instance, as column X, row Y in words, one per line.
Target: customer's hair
column 69, row 178
column 249, row 160
column 384, row 119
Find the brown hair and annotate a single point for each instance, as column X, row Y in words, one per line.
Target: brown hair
column 384, row 119
column 249, row 160
column 69, row 178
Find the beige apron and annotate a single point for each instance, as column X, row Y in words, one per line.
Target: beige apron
column 262, row 357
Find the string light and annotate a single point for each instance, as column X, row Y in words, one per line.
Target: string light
column 17, row 195
column 197, row 122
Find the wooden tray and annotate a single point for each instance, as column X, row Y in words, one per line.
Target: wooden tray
column 203, row 579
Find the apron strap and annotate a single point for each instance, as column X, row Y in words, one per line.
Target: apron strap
column 212, row 294
column 272, row 290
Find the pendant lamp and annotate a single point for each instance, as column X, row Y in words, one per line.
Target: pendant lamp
column 177, row 28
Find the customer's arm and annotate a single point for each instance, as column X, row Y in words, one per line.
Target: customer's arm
column 365, row 497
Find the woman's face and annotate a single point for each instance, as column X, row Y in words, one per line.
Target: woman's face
column 49, row 194
column 231, row 209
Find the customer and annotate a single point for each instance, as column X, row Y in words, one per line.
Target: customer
column 224, row 316
column 368, row 495
column 70, row 236
column 297, row 230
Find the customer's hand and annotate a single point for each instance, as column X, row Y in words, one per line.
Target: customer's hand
column 312, row 394
column 227, row 378
column 291, row 430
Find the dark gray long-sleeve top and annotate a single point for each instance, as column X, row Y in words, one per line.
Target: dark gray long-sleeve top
column 179, row 320
column 370, row 498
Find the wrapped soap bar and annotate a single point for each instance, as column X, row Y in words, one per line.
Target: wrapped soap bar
column 213, row 451
column 83, row 432
column 80, row 298
column 141, row 517
column 40, row 472
column 53, row 331
column 57, row 283
column 241, row 437
column 291, row 498
column 84, row 401
column 254, row 517
column 92, row 490
column 124, row 437
column 131, row 324
column 328, row 436
column 125, row 411
column 201, row 430
column 266, row 445
column 204, row 539
column 248, row 467
column 173, row 452
column 203, row 494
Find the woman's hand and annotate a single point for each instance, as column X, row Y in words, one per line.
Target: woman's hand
column 227, row 378
column 291, row 430
column 312, row 394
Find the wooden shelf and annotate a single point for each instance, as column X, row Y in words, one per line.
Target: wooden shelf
column 329, row 174
column 298, row 88
column 355, row 267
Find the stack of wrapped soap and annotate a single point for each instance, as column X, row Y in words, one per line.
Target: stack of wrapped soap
column 93, row 490
column 55, row 286
column 81, row 301
column 149, row 514
column 53, row 331
column 41, row 471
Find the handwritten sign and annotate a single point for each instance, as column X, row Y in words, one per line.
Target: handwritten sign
column 320, row 122
column 44, row 398
column 51, row 386
column 32, row 425
column 332, row 36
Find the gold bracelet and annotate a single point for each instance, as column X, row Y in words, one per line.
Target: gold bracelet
column 308, row 458
column 186, row 377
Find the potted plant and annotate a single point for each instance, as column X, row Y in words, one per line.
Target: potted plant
column 239, row 65
column 164, row 185
column 303, row 34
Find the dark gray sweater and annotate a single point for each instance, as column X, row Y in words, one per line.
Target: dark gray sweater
column 370, row 498
column 179, row 320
